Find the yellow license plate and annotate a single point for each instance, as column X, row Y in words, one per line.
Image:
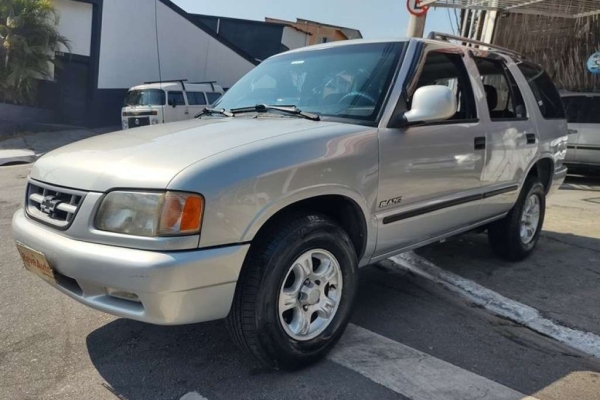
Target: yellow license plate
column 37, row 263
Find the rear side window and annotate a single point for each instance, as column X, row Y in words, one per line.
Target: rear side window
column 504, row 98
column 576, row 109
column 176, row 99
column 544, row 91
column 212, row 97
column 196, row 98
column 449, row 70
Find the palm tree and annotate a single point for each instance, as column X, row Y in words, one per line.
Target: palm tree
column 28, row 41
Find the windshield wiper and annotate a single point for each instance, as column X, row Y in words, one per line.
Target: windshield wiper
column 211, row 111
column 261, row 108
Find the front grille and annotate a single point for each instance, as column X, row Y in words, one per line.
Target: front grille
column 53, row 205
column 135, row 122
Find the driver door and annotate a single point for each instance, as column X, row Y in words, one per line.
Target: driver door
column 430, row 174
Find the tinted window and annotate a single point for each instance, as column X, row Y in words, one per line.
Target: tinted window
column 449, row 70
column 594, row 110
column 344, row 82
column 544, row 91
column 576, row 109
column 176, row 98
column 504, row 98
column 196, row 98
column 212, row 97
column 152, row 97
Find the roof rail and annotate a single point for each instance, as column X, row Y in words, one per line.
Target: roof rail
column 446, row 37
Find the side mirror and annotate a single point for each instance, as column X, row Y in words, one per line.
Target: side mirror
column 431, row 104
column 172, row 103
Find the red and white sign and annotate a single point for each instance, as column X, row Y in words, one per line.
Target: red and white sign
column 415, row 8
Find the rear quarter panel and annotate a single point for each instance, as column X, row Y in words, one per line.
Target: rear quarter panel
column 552, row 134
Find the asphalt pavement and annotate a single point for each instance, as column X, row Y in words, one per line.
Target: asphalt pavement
column 409, row 339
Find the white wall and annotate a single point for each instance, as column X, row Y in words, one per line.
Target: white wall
column 128, row 53
column 293, row 38
column 76, row 25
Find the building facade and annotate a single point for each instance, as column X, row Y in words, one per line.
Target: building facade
column 319, row 32
column 259, row 39
column 116, row 44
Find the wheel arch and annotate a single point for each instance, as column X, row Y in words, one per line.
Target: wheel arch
column 543, row 168
column 347, row 208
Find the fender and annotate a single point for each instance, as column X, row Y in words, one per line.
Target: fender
column 291, row 198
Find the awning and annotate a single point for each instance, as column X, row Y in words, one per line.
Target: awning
column 553, row 8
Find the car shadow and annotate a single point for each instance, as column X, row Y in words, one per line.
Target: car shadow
column 582, row 182
column 561, row 278
column 141, row 361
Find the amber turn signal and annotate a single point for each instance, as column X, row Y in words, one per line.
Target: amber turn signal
column 181, row 214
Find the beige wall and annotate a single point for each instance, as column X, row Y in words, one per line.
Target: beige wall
column 317, row 32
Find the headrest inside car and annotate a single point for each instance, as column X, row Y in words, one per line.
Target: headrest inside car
column 492, row 96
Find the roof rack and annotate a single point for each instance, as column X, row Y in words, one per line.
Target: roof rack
column 212, row 84
column 166, row 81
column 181, row 81
column 446, row 37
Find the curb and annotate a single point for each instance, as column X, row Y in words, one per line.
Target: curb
column 495, row 303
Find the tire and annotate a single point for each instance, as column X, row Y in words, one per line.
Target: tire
column 255, row 321
column 505, row 236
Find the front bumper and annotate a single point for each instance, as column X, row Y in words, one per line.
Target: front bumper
column 558, row 179
column 174, row 288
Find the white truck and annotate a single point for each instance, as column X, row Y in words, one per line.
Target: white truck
column 168, row 101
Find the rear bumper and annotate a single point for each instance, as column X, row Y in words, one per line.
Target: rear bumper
column 558, row 179
column 174, row 288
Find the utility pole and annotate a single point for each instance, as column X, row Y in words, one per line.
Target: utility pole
column 418, row 16
column 416, row 26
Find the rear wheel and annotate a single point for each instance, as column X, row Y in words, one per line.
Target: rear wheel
column 515, row 236
column 296, row 292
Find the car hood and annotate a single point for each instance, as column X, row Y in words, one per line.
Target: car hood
column 149, row 157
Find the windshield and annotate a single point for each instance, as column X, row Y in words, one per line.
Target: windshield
column 146, row 97
column 345, row 82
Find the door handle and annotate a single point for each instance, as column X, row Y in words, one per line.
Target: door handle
column 531, row 138
column 573, row 131
column 480, row 143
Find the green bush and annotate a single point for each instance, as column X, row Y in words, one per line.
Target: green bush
column 28, row 41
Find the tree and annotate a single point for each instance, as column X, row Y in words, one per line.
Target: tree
column 28, row 41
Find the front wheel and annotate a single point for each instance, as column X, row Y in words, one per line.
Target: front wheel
column 515, row 236
column 296, row 292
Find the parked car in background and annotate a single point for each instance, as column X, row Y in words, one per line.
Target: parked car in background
column 168, row 101
column 319, row 161
column 583, row 116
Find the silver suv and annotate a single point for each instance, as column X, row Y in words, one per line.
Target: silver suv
column 318, row 162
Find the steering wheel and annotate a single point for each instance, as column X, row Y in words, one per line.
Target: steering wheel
column 360, row 95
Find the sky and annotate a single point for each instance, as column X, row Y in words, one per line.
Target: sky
column 374, row 18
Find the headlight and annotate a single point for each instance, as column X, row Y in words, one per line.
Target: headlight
column 151, row 214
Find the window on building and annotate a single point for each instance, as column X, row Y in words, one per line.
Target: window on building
column 449, row 70
column 212, row 97
column 324, row 39
column 176, row 99
column 544, row 91
column 196, row 98
column 504, row 98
